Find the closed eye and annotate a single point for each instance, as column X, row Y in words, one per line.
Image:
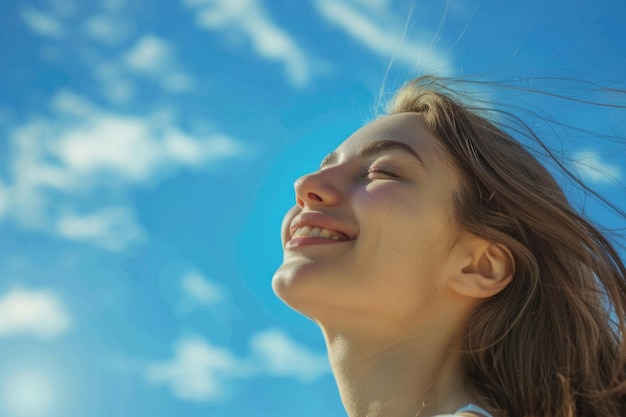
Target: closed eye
column 376, row 172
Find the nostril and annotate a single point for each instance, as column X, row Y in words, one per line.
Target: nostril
column 314, row 197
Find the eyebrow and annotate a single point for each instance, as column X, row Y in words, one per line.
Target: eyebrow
column 373, row 149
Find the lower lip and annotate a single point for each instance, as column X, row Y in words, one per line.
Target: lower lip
column 299, row 242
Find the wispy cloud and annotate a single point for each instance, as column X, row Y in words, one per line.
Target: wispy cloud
column 111, row 62
column 201, row 289
column 149, row 54
column 249, row 20
column 369, row 24
column 279, row 355
column 113, row 5
column 44, row 24
column 109, row 23
column 590, row 166
column 83, row 153
column 193, row 292
column 106, row 28
column 200, row 371
column 38, row 313
column 378, row 5
column 114, row 83
column 113, row 228
column 154, row 57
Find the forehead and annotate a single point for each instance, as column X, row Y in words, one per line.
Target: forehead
column 407, row 128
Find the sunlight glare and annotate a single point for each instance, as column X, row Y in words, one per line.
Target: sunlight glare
column 28, row 393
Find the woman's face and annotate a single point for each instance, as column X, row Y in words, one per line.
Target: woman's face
column 372, row 228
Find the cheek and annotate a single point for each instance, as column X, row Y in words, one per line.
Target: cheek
column 409, row 225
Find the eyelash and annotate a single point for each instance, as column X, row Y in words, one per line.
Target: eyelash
column 378, row 170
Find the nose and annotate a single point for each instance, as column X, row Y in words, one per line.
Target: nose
column 317, row 189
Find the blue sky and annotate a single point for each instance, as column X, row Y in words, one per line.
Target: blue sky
column 148, row 154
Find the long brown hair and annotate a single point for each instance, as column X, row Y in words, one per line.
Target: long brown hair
column 552, row 343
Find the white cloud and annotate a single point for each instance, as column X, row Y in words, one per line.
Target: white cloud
column 4, row 197
column 109, row 143
column 43, row 23
column 63, row 8
column 113, row 5
column 38, row 313
column 177, row 82
column 590, row 166
column 113, row 228
column 154, row 57
column 377, row 5
column 279, row 355
column 61, row 164
column 115, row 85
column 107, row 29
column 149, row 54
column 199, row 371
column 201, row 289
column 248, row 19
column 131, row 148
column 382, row 35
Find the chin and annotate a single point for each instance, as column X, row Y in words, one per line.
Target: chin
column 287, row 286
column 299, row 291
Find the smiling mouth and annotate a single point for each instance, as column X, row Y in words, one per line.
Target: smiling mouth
column 319, row 232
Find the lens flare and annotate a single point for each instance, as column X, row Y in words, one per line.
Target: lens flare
column 28, row 393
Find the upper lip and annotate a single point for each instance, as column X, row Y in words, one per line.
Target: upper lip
column 319, row 220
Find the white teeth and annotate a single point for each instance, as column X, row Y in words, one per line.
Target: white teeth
column 316, row 232
column 303, row 231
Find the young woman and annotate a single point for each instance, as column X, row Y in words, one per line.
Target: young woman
column 449, row 274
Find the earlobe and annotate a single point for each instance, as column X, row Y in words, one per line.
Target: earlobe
column 489, row 271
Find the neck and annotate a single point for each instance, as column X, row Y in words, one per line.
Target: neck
column 379, row 374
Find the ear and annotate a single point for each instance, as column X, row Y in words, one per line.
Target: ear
column 485, row 269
